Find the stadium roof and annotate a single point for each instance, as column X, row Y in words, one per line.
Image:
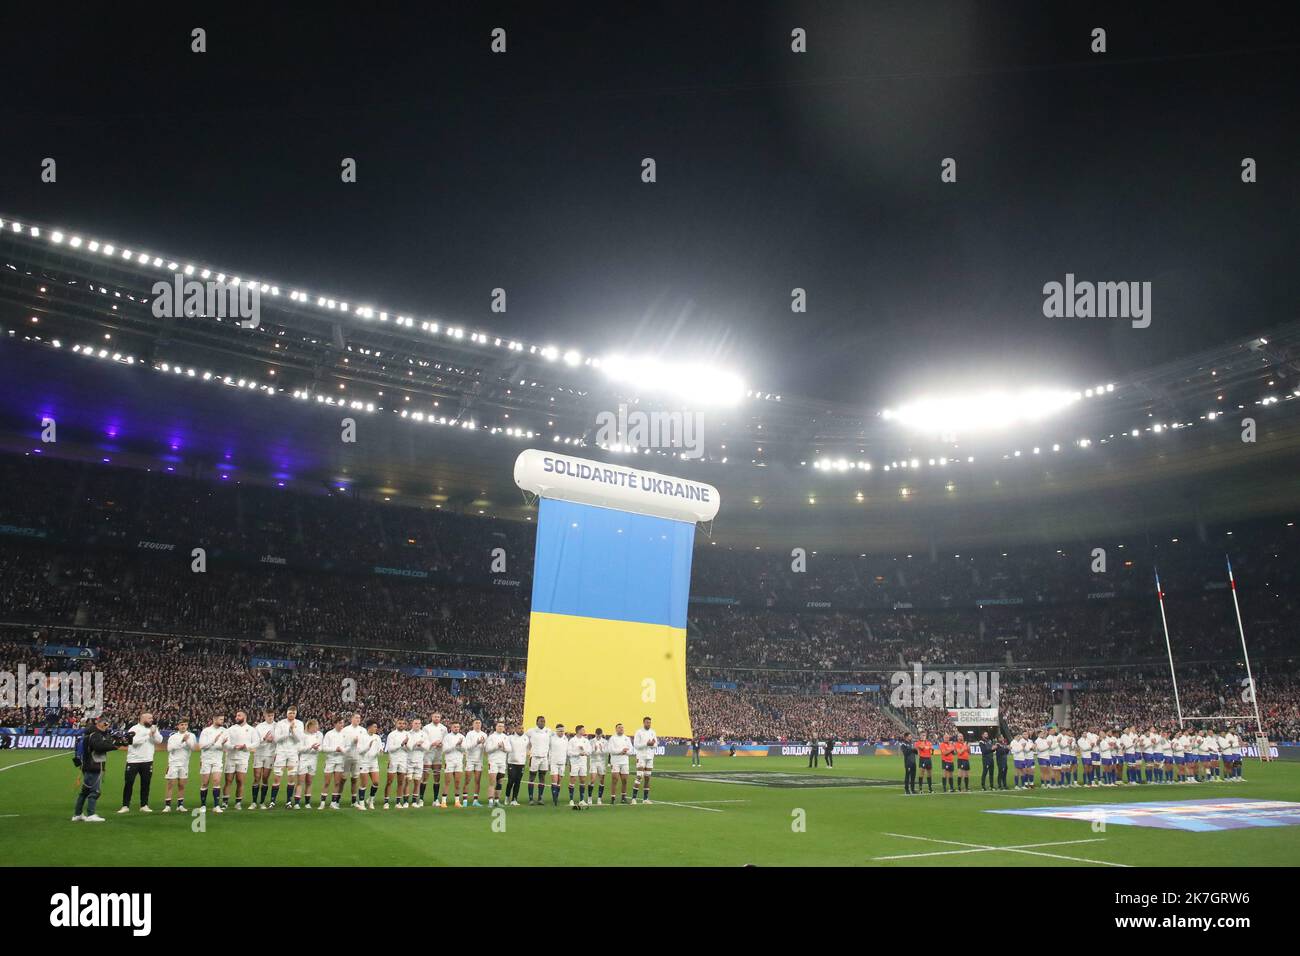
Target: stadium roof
column 442, row 408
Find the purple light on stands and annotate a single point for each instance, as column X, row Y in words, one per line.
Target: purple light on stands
column 225, row 477
column 106, row 461
column 171, row 468
column 280, row 484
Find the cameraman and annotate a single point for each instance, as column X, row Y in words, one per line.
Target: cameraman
column 96, row 747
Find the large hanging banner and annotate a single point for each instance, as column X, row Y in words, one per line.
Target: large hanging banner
column 611, row 585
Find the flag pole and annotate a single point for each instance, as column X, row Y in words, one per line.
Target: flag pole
column 1160, row 595
column 1254, row 697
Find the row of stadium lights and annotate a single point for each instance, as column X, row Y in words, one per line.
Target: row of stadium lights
column 551, row 353
column 844, row 465
column 571, row 357
column 822, row 464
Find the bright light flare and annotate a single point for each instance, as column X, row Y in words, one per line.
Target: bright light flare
column 694, row 382
column 983, row 412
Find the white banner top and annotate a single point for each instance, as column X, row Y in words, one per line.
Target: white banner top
column 551, row 475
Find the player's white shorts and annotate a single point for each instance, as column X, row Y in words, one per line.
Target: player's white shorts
column 307, row 763
column 211, row 764
column 598, row 766
column 473, row 762
column 286, row 762
column 364, row 766
column 178, row 771
column 497, row 763
column 334, row 763
column 645, row 763
column 351, row 766
column 397, row 763
column 263, row 761
column 618, row 763
column 577, row 766
column 414, row 769
column 538, row 763
column 237, row 761
column 454, row 763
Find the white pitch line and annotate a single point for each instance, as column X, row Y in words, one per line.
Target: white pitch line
column 1022, row 846
column 61, row 753
column 688, row 806
column 1008, row 849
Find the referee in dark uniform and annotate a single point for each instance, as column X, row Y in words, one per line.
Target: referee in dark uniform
column 986, row 759
column 813, row 751
column 1004, row 748
column 909, row 765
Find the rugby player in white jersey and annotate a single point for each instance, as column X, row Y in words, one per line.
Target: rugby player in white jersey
column 369, row 747
column 1166, row 756
column 644, row 742
column 263, row 759
column 1128, row 746
column 308, row 761
column 1210, row 751
column 1054, row 758
column 556, row 759
column 435, row 730
column 516, row 763
column 1179, row 746
column 1042, row 755
column 180, row 745
column 1106, row 749
column 242, row 743
column 417, row 746
column 620, row 751
column 1195, row 751
column 353, row 734
column 1084, row 746
column 539, row 752
column 599, row 761
column 579, row 752
column 396, row 747
column 288, row 735
column 453, row 764
column 1017, row 749
column 475, row 739
column 334, row 746
column 212, row 761
column 1232, row 754
column 497, row 746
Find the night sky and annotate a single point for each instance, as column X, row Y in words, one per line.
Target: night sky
column 775, row 170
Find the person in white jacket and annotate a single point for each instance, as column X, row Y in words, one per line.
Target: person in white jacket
column 308, row 761
column 146, row 738
column 288, row 735
column 335, row 746
column 243, row 741
column 212, row 761
column 395, row 744
column 369, row 748
column 498, row 750
column 180, row 745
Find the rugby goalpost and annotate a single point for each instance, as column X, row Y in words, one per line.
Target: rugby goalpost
column 1261, row 740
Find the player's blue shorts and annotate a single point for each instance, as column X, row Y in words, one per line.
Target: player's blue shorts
column 1022, row 764
column 1044, row 762
column 1178, row 758
column 1130, row 758
column 1087, row 760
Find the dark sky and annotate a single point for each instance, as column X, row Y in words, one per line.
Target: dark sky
column 775, row 170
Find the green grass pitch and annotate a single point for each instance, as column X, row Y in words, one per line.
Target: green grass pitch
column 843, row 816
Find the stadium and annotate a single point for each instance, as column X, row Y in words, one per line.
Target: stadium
column 849, row 578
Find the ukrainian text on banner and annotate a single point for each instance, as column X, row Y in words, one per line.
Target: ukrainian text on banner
column 611, row 584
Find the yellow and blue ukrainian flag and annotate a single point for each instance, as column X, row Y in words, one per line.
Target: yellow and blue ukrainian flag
column 607, row 634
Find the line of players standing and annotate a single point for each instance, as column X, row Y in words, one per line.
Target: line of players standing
column 287, row 753
column 1110, row 758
